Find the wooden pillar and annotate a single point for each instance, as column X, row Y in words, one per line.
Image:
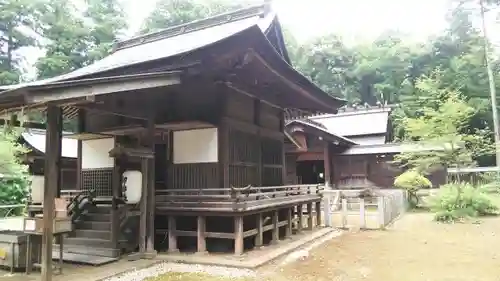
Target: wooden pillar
column 283, row 154
column 310, row 216
column 276, row 232
column 326, row 162
column 202, row 243
column 259, row 238
column 289, row 217
column 52, row 184
column 151, row 188
column 116, row 191
column 300, row 212
column 318, row 213
column 81, row 129
column 256, row 121
column 143, row 207
column 238, row 235
column 172, row 237
column 223, row 138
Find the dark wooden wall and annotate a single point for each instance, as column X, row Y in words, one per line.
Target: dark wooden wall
column 255, row 142
column 250, row 135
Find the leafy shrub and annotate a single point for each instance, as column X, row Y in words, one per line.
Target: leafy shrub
column 459, row 201
column 491, row 187
column 412, row 182
column 13, row 191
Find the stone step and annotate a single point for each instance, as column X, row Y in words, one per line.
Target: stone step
column 85, row 250
column 93, row 217
column 93, row 234
column 94, row 225
column 100, row 209
column 88, row 242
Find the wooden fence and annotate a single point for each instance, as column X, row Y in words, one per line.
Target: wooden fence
column 368, row 213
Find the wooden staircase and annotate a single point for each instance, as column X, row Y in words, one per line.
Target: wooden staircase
column 91, row 242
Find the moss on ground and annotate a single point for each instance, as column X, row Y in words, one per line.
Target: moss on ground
column 177, row 276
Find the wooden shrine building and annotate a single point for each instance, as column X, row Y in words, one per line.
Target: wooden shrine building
column 181, row 136
column 34, row 141
column 348, row 150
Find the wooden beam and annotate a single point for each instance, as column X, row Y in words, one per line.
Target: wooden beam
column 82, row 90
column 52, row 185
column 247, row 92
column 30, row 125
column 129, row 113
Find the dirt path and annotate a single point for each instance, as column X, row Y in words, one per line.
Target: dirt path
column 414, row 248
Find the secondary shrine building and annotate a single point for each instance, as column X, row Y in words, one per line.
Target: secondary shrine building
column 181, row 139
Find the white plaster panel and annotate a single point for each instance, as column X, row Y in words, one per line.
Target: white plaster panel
column 195, row 146
column 95, row 153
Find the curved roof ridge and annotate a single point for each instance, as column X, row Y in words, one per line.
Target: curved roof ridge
column 260, row 10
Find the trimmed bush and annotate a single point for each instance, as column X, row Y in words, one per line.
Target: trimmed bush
column 457, row 202
column 412, row 182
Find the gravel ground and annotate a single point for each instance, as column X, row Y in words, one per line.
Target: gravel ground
column 164, row 268
column 415, row 248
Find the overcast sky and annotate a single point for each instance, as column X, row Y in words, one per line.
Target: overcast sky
column 363, row 19
column 354, row 20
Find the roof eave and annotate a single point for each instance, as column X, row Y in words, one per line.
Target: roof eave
column 83, row 88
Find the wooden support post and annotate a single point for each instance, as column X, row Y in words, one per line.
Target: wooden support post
column 257, row 112
column 326, row 162
column 344, row 213
column 362, row 218
column 309, row 216
column 381, row 212
column 300, row 212
column 289, row 216
column 259, row 238
column 143, row 208
column 116, row 191
column 151, row 189
column 276, row 232
column 172, row 237
column 201, row 229
column 52, row 185
column 318, row 213
column 238, row 235
column 327, row 207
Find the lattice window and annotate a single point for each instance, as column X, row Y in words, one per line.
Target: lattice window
column 98, row 179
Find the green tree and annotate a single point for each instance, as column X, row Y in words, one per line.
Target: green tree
column 442, row 125
column 168, row 13
column 73, row 41
column 66, row 37
column 106, row 20
column 18, row 21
